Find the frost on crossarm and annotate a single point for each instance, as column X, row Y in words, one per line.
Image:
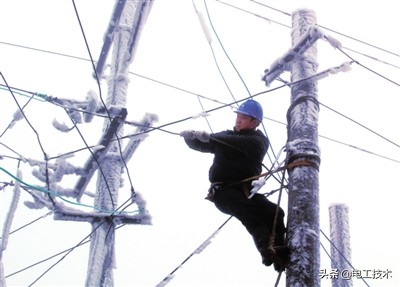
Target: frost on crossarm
column 91, row 107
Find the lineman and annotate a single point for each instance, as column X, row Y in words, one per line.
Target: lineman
column 238, row 155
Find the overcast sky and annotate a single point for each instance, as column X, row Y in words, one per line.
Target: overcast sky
column 359, row 143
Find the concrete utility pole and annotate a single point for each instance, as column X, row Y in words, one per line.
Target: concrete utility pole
column 340, row 247
column 303, row 204
column 101, row 260
column 302, row 148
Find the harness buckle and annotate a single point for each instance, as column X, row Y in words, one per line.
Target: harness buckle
column 215, row 186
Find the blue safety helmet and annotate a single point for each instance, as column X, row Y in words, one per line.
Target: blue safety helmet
column 251, row 108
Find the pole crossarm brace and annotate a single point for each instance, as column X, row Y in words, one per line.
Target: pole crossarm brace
column 283, row 64
column 109, row 36
column 116, row 218
column 139, row 18
column 134, row 142
column 91, row 164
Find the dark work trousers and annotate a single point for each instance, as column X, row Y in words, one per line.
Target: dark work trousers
column 257, row 214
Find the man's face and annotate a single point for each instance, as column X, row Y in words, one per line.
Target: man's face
column 245, row 122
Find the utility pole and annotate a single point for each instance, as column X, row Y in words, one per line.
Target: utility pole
column 303, row 151
column 303, row 201
column 102, row 257
column 340, row 244
column 109, row 157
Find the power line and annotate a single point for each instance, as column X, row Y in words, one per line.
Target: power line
column 323, row 27
column 161, row 129
column 223, row 105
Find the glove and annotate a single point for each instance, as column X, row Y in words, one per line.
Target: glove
column 202, row 136
column 187, row 135
column 257, row 184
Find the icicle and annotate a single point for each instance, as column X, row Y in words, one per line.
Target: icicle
column 334, row 42
column 150, row 118
column 60, row 170
column 202, row 247
column 18, row 115
column 39, row 174
column 166, row 280
column 34, row 205
column 204, row 27
column 62, row 127
column 146, row 219
column 91, row 107
column 138, row 199
column 345, row 67
column 200, row 115
column 75, row 116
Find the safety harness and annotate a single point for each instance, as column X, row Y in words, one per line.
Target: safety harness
column 215, row 186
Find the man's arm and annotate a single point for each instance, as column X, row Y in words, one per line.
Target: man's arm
column 242, row 142
column 198, row 140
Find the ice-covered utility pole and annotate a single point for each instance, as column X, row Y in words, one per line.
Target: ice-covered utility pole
column 303, row 201
column 125, row 37
column 303, row 151
column 340, row 244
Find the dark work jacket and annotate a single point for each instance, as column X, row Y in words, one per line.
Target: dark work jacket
column 237, row 155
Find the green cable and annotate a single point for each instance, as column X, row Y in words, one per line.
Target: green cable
column 36, row 96
column 59, row 196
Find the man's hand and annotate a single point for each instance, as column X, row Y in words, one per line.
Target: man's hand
column 202, row 136
column 188, row 134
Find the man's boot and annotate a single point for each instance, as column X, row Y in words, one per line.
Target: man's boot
column 261, row 240
column 280, row 255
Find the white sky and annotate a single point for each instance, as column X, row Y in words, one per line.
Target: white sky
column 173, row 178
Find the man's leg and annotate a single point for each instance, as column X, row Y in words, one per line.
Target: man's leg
column 234, row 202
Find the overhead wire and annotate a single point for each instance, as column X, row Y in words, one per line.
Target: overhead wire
column 119, row 145
column 323, row 27
column 371, row 130
column 224, row 50
column 209, row 40
column 236, row 71
column 395, row 144
column 65, row 55
column 330, row 257
column 24, row 116
column 254, row 14
column 330, row 29
column 85, row 240
column 81, row 243
column 342, row 255
column 31, row 222
column 133, row 193
column 69, row 252
column 368, row 130
column 13, row 120
column 205, row 243
column 100, row 96
column 223, row 104
column 70, row 249
column 370, row 70
column 54, row 193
